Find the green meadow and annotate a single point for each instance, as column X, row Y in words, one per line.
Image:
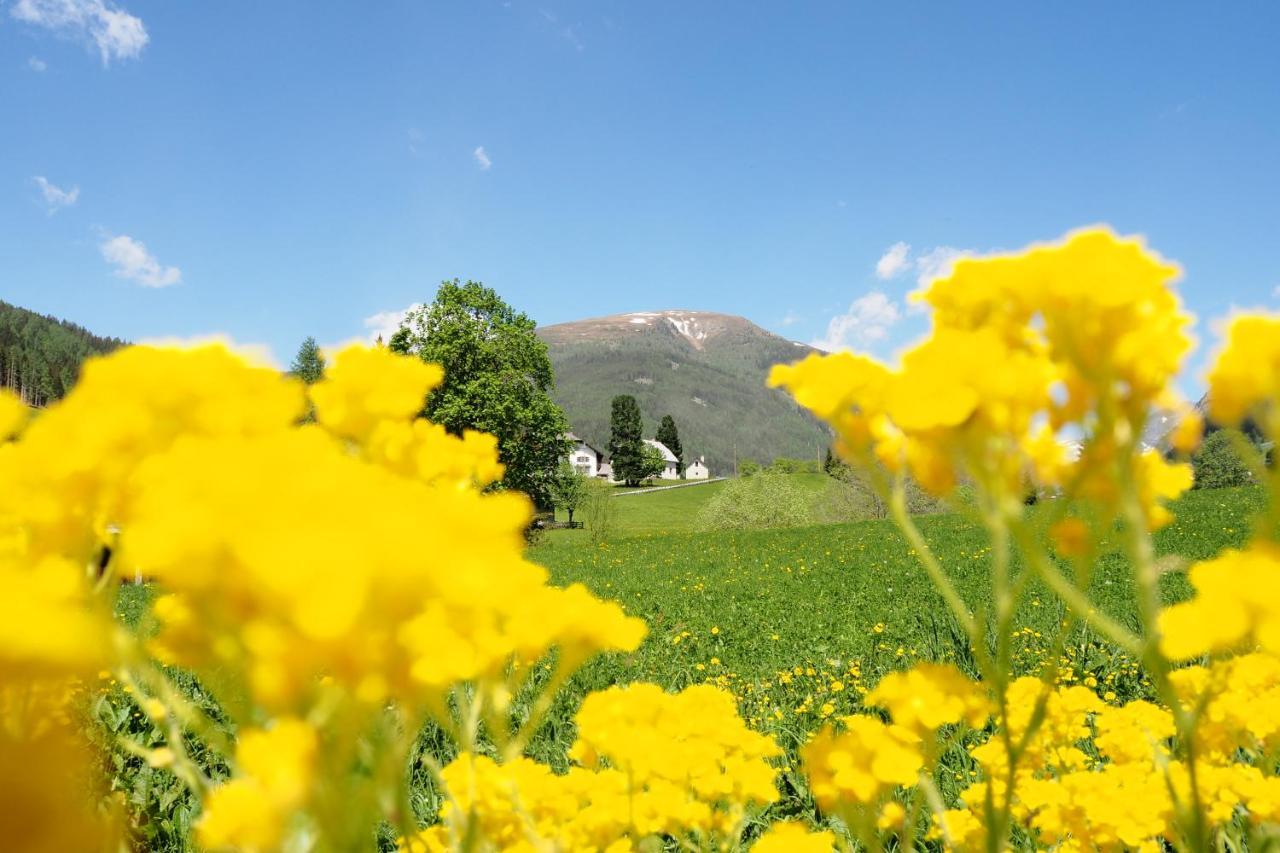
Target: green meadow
column 797, row 623
column 843, row 603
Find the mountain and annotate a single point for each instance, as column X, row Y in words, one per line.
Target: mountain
column 706, row 370
column 40, row 356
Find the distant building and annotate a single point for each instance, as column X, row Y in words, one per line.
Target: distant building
column 584, row 458
column 671, row 465
column 698, row 470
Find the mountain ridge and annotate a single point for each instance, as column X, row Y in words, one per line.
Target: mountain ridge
column 706, row 369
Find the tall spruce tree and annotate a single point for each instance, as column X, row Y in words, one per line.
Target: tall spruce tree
column 626, row 442
column 308, row 364
column 668, row 435
column 497, row 379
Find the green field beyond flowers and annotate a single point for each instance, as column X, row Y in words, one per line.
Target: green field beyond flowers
column 798, row 622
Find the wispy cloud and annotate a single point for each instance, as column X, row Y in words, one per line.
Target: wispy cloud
column 132, row 261
column 384, row 324
column 791, row 318
column 937, row 263
column 37, row 65
column 1275, row 292
column 867, row 322
column 416, row 140
column 894, row 261
column 116, row 33
column 55, row 197
column 482, row 158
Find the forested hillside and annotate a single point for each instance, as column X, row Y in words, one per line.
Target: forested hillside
column 40, row 356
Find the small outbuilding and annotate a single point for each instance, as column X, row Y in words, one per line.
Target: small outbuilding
column 698, row 470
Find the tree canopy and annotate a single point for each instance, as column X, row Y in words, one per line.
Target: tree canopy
column 669, row 436
column 626, row 442
column 497, row 379
column 308, row 364
column 40, row 356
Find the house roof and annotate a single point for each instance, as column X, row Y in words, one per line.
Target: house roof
column 667, row 455
column 581, row 441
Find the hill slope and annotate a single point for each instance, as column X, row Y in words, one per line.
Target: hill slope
column 40, row 356
column 706, row 370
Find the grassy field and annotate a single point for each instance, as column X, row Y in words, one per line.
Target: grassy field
column 796, row 623
column 676, row 510
column 837, row 604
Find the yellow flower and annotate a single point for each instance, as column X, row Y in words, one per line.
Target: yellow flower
column 861, row 764
column 794, row 837
column 929, row 696
column 1245, row 374
column 1237, row 597
column 274, row 778
column 13, row 414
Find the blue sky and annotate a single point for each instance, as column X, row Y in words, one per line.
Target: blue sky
column 274, row 170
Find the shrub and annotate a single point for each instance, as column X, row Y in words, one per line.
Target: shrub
column 599, row 512
column 1217, row 464
column 767, row 499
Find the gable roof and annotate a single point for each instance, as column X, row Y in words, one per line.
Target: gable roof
column 667, row 455
column 576, row 440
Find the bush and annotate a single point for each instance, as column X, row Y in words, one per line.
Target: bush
column 784, row 465
column 599, row 512
column 767, row 499
column 748, row 467
column 1217, row 465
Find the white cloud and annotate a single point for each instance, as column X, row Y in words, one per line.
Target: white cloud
column 482, row 158
column 116, row 33
column 132, row 261
column 791, row 318
column 937, row 262
column 37, row 64
column 867, row 321
column 55, row 197
column 385, row 323
column 893, row 261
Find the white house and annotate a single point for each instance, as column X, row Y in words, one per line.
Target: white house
column 698, row 470
column 671, row 465
column 583, row 457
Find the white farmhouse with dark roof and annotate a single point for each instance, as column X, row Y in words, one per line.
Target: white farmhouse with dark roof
column 584, row 458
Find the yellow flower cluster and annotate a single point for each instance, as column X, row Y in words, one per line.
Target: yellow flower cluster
column 1237, row 602
column 861, row 765
column 317, row 571
column 929, row 696
column 651, row 764
column 1086, row 334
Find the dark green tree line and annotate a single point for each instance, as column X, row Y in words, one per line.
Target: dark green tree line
column 40, row 356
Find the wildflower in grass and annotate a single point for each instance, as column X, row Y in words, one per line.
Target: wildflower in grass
column 793, row 837
column 929, row 696
column 1237, row 598
column 861, row 764
column 273, row 781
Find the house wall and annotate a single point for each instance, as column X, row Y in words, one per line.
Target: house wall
column 584, row 459
column 670, row 472
column 696, row 471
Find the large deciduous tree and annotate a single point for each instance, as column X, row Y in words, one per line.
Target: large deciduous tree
column 669, row 436
column 308, row 364
column 497, row 379
column 626, row 442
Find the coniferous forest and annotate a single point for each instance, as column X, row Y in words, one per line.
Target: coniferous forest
column 40, row 356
